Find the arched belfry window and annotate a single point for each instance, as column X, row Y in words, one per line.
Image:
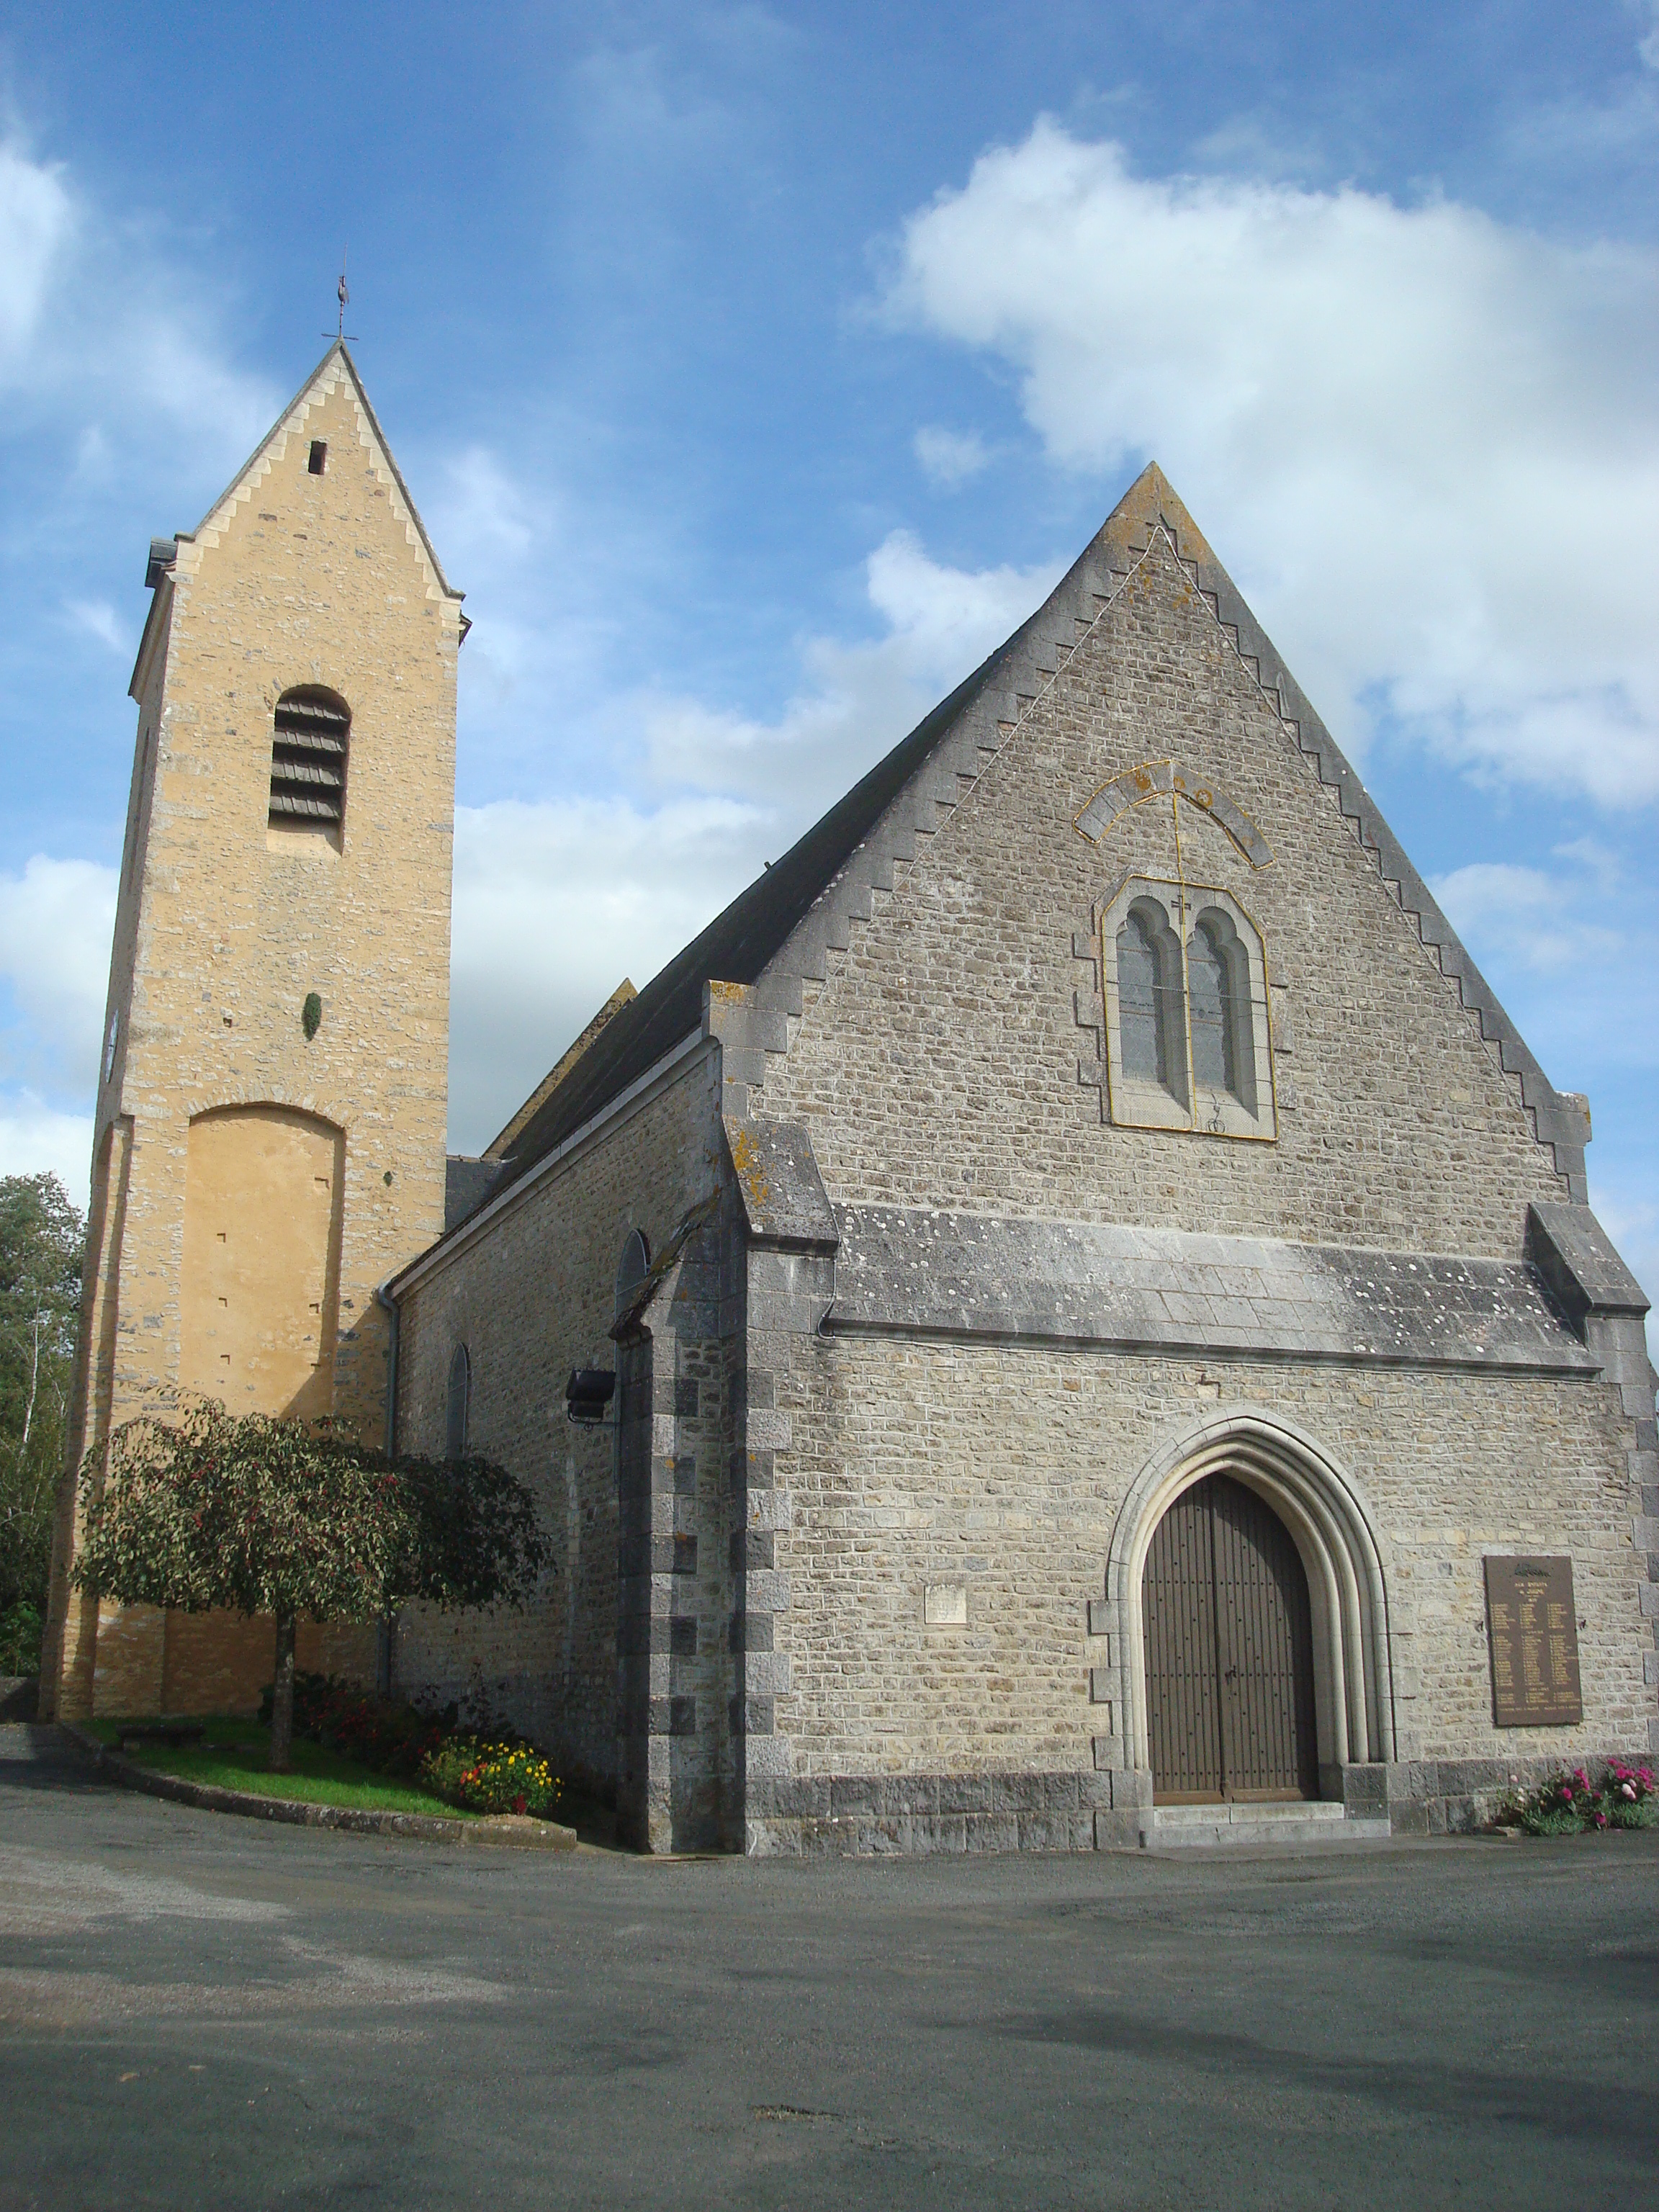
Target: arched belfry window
column 458, row 1404
column 308, row 756
column 1186, row 1007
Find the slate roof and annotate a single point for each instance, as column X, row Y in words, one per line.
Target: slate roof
column 737, row 945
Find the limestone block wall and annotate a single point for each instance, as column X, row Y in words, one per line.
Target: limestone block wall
column 900, row 1468
column 954, row 1053
column 530, row 1291
column 225, row 926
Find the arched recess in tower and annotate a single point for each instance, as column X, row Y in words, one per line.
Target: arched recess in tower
column 261, row 1291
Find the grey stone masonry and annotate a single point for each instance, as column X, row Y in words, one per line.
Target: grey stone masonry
column 966, row 731
column 1608, row 1306
column 916, row 1270
column 676, row 1776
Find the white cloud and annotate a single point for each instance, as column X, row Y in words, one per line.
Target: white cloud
column 950, row 458
column 556, row 901
column 1538, row 917
column 1632, row 1222
column 35, row 221
column 36, row 1139
column 99, row 620
column 1415, row 435
column 860, row 699
column 100, row 327
column 55, row 922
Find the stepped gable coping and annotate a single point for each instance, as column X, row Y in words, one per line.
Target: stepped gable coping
column 742, row 975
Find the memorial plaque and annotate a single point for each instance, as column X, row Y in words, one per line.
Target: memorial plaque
column 1532, row 1636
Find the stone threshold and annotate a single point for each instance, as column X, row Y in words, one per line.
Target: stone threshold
column 507, row 1831
column 1317, row 1823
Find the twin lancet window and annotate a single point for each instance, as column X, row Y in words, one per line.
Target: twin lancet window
column 1186, row 1033
column 309, row 760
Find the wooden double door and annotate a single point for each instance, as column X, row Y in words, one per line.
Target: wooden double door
column 1228, row 1635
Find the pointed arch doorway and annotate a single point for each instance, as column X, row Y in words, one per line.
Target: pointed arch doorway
column 1227, row 1632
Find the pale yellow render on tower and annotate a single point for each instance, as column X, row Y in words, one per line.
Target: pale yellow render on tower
column 251, row 1185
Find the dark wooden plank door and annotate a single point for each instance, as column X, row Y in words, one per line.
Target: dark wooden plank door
column 1184, row 1683
column 1228, row 1631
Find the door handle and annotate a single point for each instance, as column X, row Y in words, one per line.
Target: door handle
column 1231, row 1674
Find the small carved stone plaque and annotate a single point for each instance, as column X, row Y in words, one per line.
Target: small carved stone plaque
column 944, row 1605
column 1532, row 1640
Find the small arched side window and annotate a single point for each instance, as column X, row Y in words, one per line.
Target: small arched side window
column 632, row 1266
column 308, row 754
column 458, row 1404
column 1186, row 992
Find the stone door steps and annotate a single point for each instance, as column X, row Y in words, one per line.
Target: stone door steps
column 1243, row 1827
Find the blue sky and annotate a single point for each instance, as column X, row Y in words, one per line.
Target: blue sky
column 756, row 369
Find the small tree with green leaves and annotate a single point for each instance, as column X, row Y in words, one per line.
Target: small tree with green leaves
column 295, row 1520
column 42, row 1239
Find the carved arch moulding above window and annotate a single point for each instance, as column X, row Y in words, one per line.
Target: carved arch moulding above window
column 1163, row 779
column 1181, row 1011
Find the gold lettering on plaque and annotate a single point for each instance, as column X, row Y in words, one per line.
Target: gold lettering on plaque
column 1533, row 1642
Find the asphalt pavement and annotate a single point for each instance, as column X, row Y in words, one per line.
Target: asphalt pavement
column 197, row 2010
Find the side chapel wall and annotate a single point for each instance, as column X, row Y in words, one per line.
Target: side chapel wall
column 531, row 1295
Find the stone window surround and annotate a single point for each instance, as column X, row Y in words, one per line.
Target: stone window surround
column 1204, row 1111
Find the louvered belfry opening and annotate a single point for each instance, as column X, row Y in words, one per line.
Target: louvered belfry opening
column 308, row 759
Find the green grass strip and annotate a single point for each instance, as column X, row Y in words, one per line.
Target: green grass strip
column 234, row 1753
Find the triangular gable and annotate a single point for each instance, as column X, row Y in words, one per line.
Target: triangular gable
column 776, row 934
column 170, row 556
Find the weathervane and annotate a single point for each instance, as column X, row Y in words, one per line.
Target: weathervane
column 344, row 297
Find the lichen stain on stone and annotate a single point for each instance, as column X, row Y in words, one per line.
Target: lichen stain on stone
column 745, row 1158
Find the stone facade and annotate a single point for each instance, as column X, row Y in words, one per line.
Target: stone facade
column 240, row 1166
column 920, row 1317
column 976, row 1331
column 530, row 1288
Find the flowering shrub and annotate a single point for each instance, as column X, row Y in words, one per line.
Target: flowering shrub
column 1570, row 1803
column 492, row 1777
column 499, row 1773
column 377, row 1732
column 1627, row 1797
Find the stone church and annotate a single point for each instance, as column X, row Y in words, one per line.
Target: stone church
column 1067, row 1318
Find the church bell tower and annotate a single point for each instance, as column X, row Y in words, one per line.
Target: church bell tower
column 269, row 1140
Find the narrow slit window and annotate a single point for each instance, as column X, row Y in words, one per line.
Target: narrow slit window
column 458, row 1404
column 319, row 461
column 309, row 760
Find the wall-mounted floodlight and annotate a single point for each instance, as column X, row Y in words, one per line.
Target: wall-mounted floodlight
column 587, row 1394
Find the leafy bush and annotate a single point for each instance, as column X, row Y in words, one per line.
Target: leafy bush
column 20, row 1638
column 382, row 1733
column 493, row 1772
column 1570, row 1803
